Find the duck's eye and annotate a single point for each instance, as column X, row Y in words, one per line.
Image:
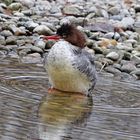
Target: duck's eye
column 64, row 36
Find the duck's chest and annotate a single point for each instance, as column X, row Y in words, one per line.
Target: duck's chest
column 60, row 57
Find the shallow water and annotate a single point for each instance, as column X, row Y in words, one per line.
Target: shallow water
column 27, row 114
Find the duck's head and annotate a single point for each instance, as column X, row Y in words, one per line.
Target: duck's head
column 71, row 34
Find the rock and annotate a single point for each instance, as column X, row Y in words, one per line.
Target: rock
column 107, row 43
column 136, row 72
column 11, row 40
column 27, row 3
column 114, row 10
column 89, row 43
column 129, row 67
column 113, row 56
column 126, row 76
column 17, row 31
column 7, row 2
column 112, row 35
column 137, row 26
column 68, row 19
column 117, row 66
column 127, row 22
column 112, row 70
column 135, row 59
column 123, row 46
column 105, row 61
column 98, row 50
column 18, row 14
column 49, row 44
column 43, row 5
column 136, row 53
column 127, row 56
column 34, row 58
column 36, row 49
column 98, row 65
column 43, row 30
column 30, row 25
column 71, row 10
column 100, row 26
column 131, row 41
column 23, row 51
column 101, row 13
column 15, row 6
column 137, row 8
column 2, row 40
column 40, row 44
column 6, row 33
column 28, row 12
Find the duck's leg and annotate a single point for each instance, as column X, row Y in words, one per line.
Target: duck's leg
column 52, row 90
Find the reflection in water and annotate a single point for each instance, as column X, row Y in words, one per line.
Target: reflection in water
column 59, row 112
column 24, row 116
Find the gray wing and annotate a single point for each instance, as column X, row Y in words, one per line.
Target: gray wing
column 85, row 64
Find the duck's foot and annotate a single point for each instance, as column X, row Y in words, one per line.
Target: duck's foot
column 53, row 90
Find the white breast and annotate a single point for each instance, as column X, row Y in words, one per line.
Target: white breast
column 62, row 74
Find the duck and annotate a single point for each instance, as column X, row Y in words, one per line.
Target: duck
column 69, row 66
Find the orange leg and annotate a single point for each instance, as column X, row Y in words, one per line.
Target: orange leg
column 53, row 90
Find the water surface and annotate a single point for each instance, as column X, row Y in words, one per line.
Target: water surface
column 28, row 113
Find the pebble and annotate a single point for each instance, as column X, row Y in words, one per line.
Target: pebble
column 71, row 10
column 113, row 56
column 129, row 67
column 6, row 33
column 112, row 70
column 30, row 25
column 43, row 30
column 15, row 6
column 2, row 40
column 11, row 40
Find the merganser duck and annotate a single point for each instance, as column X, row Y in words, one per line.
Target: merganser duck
column 69, row 66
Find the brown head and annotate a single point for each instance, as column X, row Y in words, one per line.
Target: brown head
column 69, row 33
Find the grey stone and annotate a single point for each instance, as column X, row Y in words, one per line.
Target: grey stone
column 49, row 44
column 71, row 10
column 98, row 50
column 11, row 40
column 18, row 14
column 124, row 46
column 112, row 70
column 127, row 56
column 36, row 49
column 15, row 6
column 6, row 33
column 136, row 53
column 2, row 40
column 40, row 43
column 34, row 58
column 43, row 30
column 136, row 72
column 114, row 10
column 17, row 31
column 113, row 56
column 30, row 25
column 129, row 67
column 112, row 35
column 127, row 22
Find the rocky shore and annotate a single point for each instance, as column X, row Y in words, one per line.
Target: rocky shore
column 112, row 30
